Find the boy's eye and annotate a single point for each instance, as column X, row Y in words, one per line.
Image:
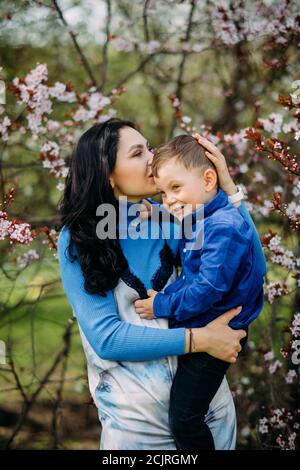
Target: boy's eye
column 175, row 187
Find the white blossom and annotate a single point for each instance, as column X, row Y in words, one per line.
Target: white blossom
column 83, row 114
column 273, row 124
column 275, row 290
column 274, row 366
column 96, row 101
column 60, row 186
column 278, row 189
column 27, row 258
column 290, row 126
column 259, row 178
column 4, row 125
column 244, row 168
column 269, row 356
column 295, row 328
column 4, row 225
column 289, row 378
column 150, row 47
column 51, row 148
column 291, row 441
column 263, row 427
column 186, row 119
column 122, row 45
column 52, row 126
column 35, row 123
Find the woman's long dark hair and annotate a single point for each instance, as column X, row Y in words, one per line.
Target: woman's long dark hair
column 88, row 186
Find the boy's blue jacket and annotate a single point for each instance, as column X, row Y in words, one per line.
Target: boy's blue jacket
column 226, row 271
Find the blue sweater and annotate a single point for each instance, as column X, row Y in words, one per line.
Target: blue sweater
column 98, row 317
column 222, row 272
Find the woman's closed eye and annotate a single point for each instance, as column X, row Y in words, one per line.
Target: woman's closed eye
column 140, row 152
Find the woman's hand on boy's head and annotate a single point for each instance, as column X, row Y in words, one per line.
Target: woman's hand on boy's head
column 144, row 307
column 217, row 158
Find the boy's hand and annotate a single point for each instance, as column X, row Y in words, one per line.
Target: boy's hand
column 144, row 307
column 217, row 158
column 146, row 209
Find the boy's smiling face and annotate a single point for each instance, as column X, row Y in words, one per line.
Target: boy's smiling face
column 185, row 190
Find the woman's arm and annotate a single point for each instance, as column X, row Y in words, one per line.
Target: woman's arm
column 99, row 320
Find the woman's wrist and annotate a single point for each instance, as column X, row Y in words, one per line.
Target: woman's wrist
column 197, row 341
column 231, row 189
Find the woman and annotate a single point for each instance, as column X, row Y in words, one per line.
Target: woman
column 130, row 365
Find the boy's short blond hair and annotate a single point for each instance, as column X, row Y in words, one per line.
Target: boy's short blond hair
column 186, row 150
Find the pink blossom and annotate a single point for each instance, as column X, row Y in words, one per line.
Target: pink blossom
column 37, row 76
column 4, row 225
column 34, row 124
column 51, row 148
column 59, row 92
column 52, row 126
column 83, row 114
column 96, row 102
column 20, row 233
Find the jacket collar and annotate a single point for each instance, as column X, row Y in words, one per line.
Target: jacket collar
column 220, row 200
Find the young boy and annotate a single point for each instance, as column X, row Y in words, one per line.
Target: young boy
column 220, row 273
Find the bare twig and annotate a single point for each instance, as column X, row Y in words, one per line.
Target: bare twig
column 179, row 83
column 84, row 60
column 136, row 70
column 59, row 393
column 16, row 376
column 145, row 20
column 27, row 405
column 104, row 64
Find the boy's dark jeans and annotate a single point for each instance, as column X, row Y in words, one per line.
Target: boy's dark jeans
column 196, row 382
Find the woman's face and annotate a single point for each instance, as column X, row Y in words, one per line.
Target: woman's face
column 131, row 176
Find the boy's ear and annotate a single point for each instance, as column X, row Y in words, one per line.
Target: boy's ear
column 210, row 179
